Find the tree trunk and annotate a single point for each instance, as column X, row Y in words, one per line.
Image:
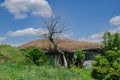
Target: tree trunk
column 64, row 58
column 65, row 61
column 57, row 60
column 60, row 52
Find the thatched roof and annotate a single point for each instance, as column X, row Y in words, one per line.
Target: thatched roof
column 62, row 43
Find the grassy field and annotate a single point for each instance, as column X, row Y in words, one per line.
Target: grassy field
column 26, row 72
column 12, row 67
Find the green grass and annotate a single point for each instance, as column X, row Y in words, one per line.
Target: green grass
column 11, row 54
column 12, row 69
column 27, row 72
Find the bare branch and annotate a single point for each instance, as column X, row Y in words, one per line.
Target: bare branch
column 55, row 27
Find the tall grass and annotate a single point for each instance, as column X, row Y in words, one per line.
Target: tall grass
column 16, row 71
column 27, row 72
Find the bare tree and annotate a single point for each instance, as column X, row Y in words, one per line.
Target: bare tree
column 55, row 27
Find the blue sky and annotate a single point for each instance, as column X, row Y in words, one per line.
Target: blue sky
column 86, row 20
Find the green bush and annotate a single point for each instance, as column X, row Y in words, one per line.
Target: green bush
column 112, row 55
column 99, row 69
column 36, row 56
column 107, row 67
column 80, row 56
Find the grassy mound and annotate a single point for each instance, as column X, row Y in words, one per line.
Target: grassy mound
column 66, row 44
column 10, row 54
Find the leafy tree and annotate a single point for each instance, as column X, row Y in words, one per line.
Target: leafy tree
column 111, row 41
column 107, row 67
column 116, row 40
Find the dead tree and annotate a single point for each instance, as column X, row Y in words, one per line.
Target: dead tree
column 55, row 27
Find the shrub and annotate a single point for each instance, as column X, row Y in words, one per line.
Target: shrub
column 112, row 55
column 36, row 55
column 80, row 56
column 107, row 67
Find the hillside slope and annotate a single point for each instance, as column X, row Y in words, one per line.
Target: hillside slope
column 62, row 43
column 10, row 54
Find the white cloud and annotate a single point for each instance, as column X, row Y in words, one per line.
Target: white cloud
column 20, row 8
column 2, row 39
column 115, row 21
column 115, row 30
column 93, row 38
column 34, row 32
column 98, row 37
column 26, row 32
